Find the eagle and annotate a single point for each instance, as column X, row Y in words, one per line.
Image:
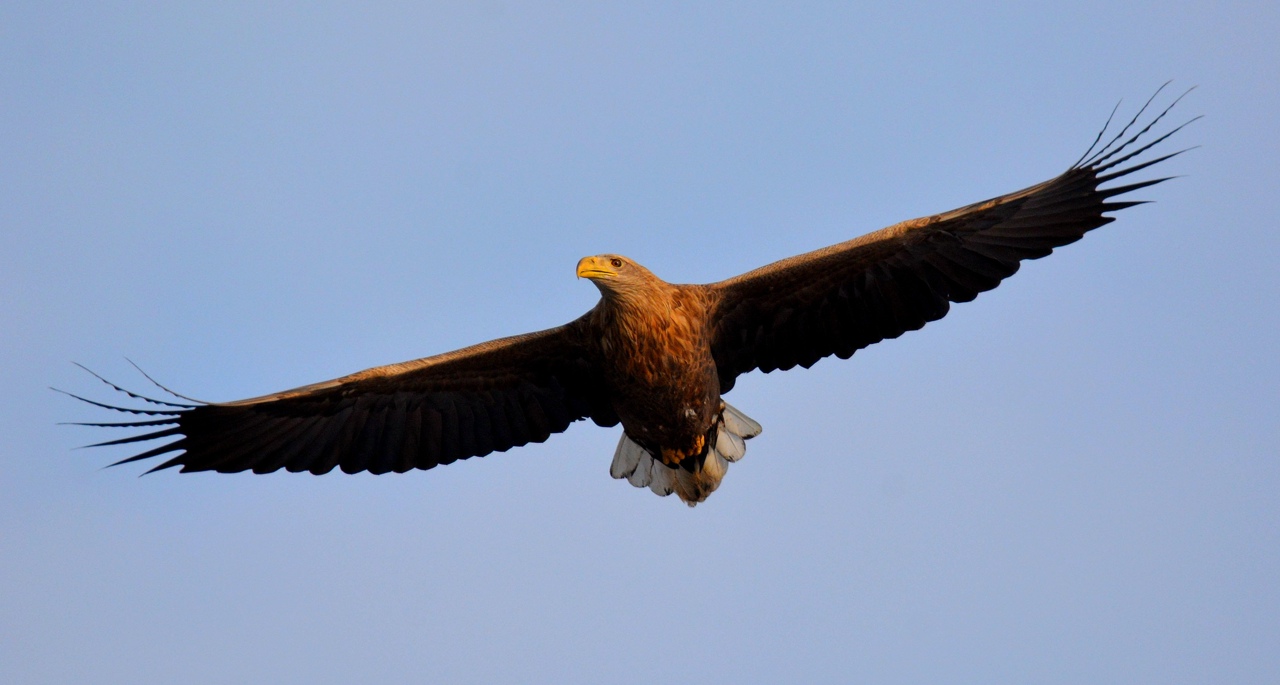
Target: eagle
column 656, row 357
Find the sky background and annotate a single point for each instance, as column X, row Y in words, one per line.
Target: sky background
column 1075, row 478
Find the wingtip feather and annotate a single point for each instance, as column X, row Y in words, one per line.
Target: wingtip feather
column 130, row 393
column 162, row 449
column 128, row 410
column 163, row 387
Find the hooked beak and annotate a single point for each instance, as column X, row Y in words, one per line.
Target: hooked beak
column 595, row 267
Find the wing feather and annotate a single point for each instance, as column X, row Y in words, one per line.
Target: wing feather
column 407, row 459
column 288, row 443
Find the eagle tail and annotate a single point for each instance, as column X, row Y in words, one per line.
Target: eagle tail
column 692, row 484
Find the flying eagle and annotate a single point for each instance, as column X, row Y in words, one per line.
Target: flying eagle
column 654, row 356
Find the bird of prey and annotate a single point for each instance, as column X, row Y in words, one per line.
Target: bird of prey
column 654, row 356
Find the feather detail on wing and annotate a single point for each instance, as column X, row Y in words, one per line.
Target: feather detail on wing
column 481, row 399
column 845, row 297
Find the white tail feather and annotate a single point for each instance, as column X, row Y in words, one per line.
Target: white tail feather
column 696, row 486
column 626, row 458
column 643, row 475
column 729, row 445
column 663, row 480
column 738, row 423
column 641, row 469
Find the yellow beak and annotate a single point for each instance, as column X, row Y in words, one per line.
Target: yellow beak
column 595, row 267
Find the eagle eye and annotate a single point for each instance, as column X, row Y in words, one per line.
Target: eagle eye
column 617, row 263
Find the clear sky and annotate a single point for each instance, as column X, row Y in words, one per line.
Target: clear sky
column 1074, row 479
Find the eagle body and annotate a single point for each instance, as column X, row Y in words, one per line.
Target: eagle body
column 655, row 354
column 651, row 355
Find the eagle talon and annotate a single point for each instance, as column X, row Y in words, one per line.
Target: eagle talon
column 673, row 457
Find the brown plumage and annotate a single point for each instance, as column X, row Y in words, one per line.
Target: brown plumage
column 652, row 355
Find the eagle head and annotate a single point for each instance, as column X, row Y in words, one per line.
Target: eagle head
column 615, row 275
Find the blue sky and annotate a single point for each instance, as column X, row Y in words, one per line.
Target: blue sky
column 1074, row 478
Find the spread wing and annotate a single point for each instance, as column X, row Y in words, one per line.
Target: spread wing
column 481, row 399
column 845, row 297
